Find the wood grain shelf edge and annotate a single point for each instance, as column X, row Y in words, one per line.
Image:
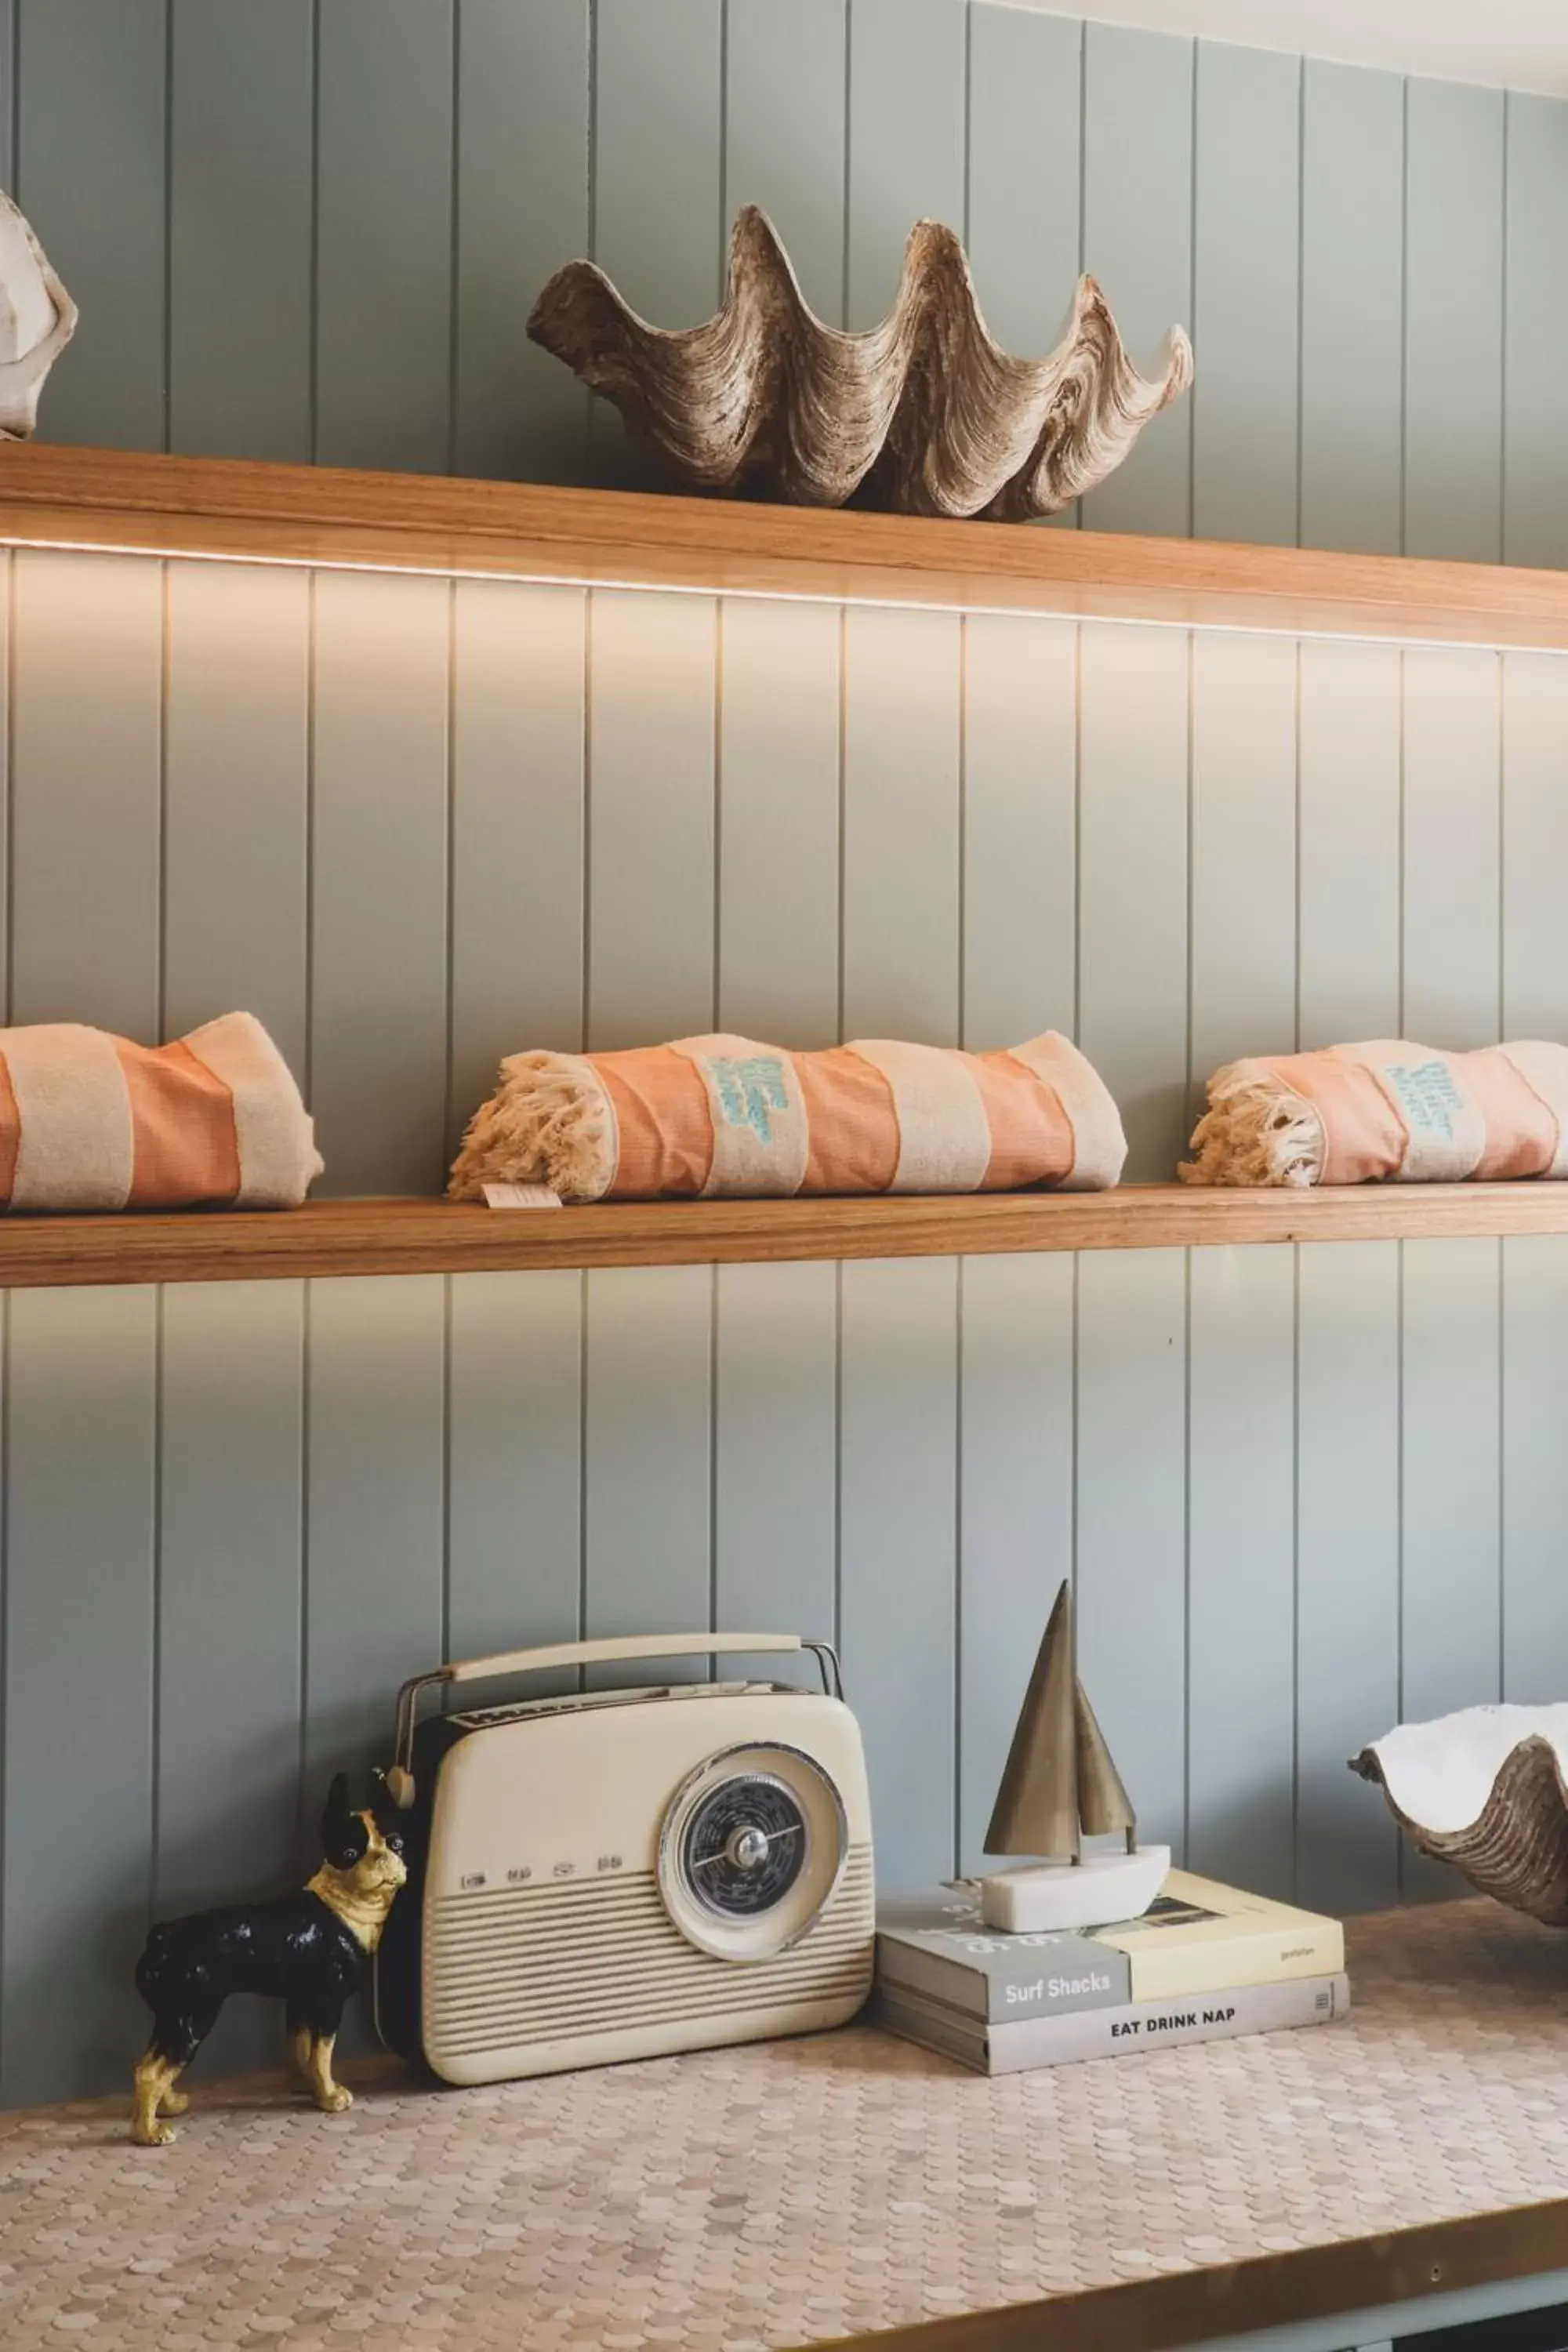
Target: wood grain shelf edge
column 246, row 510
column 434, row 1236
column 1353, row 2276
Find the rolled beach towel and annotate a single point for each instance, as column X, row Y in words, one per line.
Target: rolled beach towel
column 707, row 1117
column 92, row 1121
column 1386, row 1109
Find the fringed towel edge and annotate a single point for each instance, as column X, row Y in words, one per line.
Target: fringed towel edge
column 1255, row 1130
column 550, row 1121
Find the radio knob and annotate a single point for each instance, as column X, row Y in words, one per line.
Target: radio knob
column 749, row 1848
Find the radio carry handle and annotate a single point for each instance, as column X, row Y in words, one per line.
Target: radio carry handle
column 617, row 1649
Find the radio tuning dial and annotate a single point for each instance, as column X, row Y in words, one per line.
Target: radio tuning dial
column 745, row 1844
column 751, row 1848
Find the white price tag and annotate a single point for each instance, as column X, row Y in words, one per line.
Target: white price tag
column 521, row 1196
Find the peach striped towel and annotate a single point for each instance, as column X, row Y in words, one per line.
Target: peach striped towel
column 91, row 1121
column 713, row 1116
column 1386, row 1108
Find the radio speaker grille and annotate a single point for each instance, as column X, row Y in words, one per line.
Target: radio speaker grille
column 526, row 1964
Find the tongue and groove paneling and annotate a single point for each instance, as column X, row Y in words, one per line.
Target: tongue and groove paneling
column 1026, row 93
column 1020, row 830
column 1453, row 208
column 236, row 799
column 383, row 354
column 240, row 88
column 339, row 239
column 1348, row 1564
column 80, row 1824
column 1535, row 331
column 1133, row 942
column 771, row 818
column 655, row 192
column 523, row 207
column 652, row 839
column 1350, row 474
column 418, row 828
column 518, row 830
column 775, row 1361
column 1246, row 297
column 1137, row 242
column 86, row 792
column 784, row 97
column 380, row 736
column 92, row 148
column 899, row 1395
column 230, row 1572
column 81, row 1422
column 906, row 77
column 1241, row 1450
column 1535, row 1278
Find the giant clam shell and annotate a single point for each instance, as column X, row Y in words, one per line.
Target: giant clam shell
column 923, row 414
column 37, row 319
column 1487, row 1789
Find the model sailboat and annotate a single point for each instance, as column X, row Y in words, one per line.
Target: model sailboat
column 1058, row 1787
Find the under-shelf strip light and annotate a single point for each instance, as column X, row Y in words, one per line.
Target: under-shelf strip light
column 860, row 599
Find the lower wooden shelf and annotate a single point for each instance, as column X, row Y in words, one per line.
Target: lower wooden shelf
column 434, row 1236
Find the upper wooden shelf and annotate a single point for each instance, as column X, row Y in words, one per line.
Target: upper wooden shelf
column 106, row 499
column 428, row 1236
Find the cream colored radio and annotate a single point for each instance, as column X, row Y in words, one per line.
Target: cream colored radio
column 619, row 1873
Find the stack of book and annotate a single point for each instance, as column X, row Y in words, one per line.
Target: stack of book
column 1203, row 1962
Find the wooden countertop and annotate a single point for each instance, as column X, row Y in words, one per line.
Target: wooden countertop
column 842, row 2186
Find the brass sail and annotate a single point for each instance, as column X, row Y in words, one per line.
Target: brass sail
column 1037, row 1808
column 1103, row 1802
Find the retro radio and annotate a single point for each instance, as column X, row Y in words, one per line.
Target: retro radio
column 618, row 1873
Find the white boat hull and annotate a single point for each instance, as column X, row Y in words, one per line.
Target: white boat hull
column 1047, row 1896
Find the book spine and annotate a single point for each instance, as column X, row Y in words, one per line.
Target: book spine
column 1177, row 1969
column 1007, row 1985
column 1160, row 2025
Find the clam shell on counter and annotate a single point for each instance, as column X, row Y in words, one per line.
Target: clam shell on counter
column 37, row 319
column 923, row 414
column 1485, row 1789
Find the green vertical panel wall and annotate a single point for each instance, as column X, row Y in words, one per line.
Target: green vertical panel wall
column 1137, row 242
column 1026, row 125
column 776, row 1435
column 658, row 123
column 1535, row 329
column 521, row 190
column 1132, row 911
column 1352, row 300
column 784, row 141
column 79, row 1623
column 240, row 190
column 235, row 798
column 906, row 79
column 897, row 1570
column 289, row 245
column 1246, row 314
column 416, row 827
column 231, row 1572
column 1453, row 216
column 382, row 360
column 90, row 166
column 805, row 823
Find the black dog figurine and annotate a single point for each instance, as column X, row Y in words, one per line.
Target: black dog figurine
column 310, row 1950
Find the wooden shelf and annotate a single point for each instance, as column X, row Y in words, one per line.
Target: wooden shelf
column 429, row 1236
column 106, row 499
